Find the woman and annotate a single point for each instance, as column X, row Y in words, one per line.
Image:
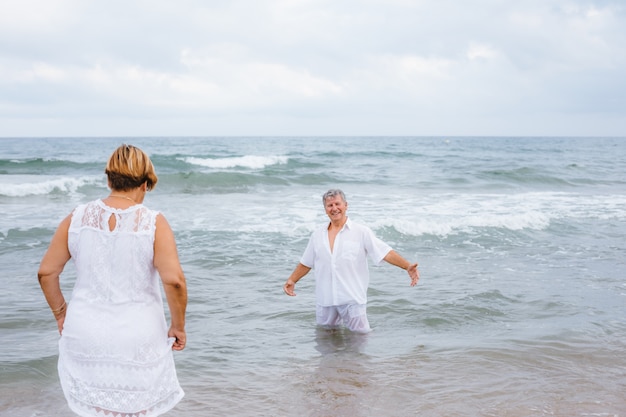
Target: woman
column 115, row 350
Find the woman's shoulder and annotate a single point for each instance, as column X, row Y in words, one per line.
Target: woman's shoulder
column 82, row 207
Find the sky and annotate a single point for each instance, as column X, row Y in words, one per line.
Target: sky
column 312, row 68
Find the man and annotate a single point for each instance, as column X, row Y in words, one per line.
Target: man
column 338, row 252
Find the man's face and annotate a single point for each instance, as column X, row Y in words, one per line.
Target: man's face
column 335, row 208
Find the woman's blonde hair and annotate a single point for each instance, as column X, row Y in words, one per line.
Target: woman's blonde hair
column 128, row 168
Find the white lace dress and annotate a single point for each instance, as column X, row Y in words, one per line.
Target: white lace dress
column 115, row 358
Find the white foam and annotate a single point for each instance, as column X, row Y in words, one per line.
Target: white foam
column 25, row 185
column 447, row 214
column 412, row 215
column 247, row 161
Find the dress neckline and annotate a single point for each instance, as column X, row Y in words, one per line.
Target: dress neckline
column 120, row 210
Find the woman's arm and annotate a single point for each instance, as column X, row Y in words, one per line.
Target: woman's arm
column 50, row 269
column 168, row 265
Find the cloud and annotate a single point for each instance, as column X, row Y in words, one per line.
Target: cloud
column 478, row 50
column 259, row 81
column 301, row 67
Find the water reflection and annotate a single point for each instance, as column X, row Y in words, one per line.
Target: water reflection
column 342, row 384
column 339, row 340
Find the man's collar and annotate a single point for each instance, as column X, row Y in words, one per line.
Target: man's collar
column 347, row 224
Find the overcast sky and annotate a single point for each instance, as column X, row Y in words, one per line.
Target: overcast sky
column 312, row 67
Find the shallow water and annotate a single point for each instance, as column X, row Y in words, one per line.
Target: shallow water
column 520, row 310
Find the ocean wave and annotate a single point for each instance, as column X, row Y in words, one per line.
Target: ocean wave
column 29, row 185
column 443, row 215
column 235, row 181
column 37, row 165
column 563, row 177
column 522, row 175
column 247, row 161
column 462, row 224
column 440, row 215
column 215, row 182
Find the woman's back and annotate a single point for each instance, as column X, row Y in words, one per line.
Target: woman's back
column 113, row 251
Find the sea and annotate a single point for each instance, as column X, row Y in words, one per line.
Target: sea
column 520, row 309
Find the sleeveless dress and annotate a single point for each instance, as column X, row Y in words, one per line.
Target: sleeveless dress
column 115, row 358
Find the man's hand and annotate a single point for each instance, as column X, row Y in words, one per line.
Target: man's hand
column 289, row 288
column 413, row 273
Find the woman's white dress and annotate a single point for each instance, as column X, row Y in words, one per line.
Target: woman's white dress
column 114, row 354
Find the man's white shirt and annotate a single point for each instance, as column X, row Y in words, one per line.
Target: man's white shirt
column 342, row 276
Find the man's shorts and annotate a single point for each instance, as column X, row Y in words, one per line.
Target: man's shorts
column 353, row 316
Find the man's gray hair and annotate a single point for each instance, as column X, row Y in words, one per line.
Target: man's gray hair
column 333, row 193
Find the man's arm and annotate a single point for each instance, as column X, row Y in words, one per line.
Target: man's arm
column 394, row 258
column 295, row 276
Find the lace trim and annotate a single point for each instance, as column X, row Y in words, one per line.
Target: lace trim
column 135, row 219
column 110, row 402
column 107, row 387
